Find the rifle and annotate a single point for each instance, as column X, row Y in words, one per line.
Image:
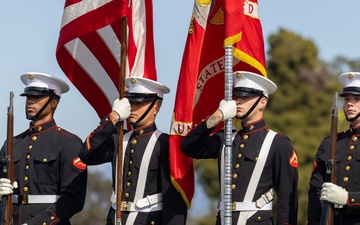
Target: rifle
column 327, row 215
column 8, row 168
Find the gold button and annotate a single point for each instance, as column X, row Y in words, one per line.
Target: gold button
column 59, row 128
column 127, row 195
column 129, row 173
column 345, row 179
column 237, row 165
column 25, row 188
column 30, row 147
column 259, row 218
column 45, row 160
column 352, row 147
column 234, row 175
column 349, row 157
column 352, row 200
column 128, row 184
column 132, row 151
column 245, row 137
column 106, row 119
column 242, row 146
column 141, row 131
column 354, row 138
column 39, row 128
column 152, row 222
column 99, row 125
column 134, row 141
column 233, row 186
column 239, row 155
column 52, row 217
column 347, row 168
column 34, row 138
column 130, row 162
column 27, row 167
column 44, row 224
column 26, row 178
column 28, row 156
column 256, row 158
column 252, row 127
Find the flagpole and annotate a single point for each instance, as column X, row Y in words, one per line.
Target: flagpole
column 121, row 125
column 228, row 137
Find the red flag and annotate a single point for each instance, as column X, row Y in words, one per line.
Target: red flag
column 201, row 80
column 243, row 30
column 88, row 49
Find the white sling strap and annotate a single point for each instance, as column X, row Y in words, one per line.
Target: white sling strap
column 140, row 188
column 255, row 177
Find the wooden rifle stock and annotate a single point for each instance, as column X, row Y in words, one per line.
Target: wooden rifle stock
column 327, row 215
column 8, row 168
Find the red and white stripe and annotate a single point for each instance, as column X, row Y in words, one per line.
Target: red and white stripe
column 88, row 49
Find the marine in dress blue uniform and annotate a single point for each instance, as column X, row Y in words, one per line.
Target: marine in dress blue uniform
column 345, row 194
column 50, row 179
column 164, row 204
column 279, row 174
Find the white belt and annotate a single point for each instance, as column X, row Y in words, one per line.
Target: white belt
column 265, row 198
column 247, row 206
column 148, row 204
column 263, row 203
column 34, row 199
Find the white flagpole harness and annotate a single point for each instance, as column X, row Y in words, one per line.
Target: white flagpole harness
column 140, row 204
column 247, row 207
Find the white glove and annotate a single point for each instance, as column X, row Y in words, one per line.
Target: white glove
column 228, row 109
column 122, row 107
column 335, row 194
column 5, row 187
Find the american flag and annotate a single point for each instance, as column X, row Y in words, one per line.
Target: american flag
column 88, row 49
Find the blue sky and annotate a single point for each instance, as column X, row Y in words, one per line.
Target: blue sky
column 29, row 33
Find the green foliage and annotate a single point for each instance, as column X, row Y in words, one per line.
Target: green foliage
column 207, row 170
column 300, row 108
column 97, row 201
column 340, row 64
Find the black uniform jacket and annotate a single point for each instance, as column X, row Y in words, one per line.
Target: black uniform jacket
column 46, row 162
column 280, row 170
column 101, row 146
column 348, row 177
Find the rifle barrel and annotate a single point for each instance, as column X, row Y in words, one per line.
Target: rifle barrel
column 327, row 215
column 8, row 219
